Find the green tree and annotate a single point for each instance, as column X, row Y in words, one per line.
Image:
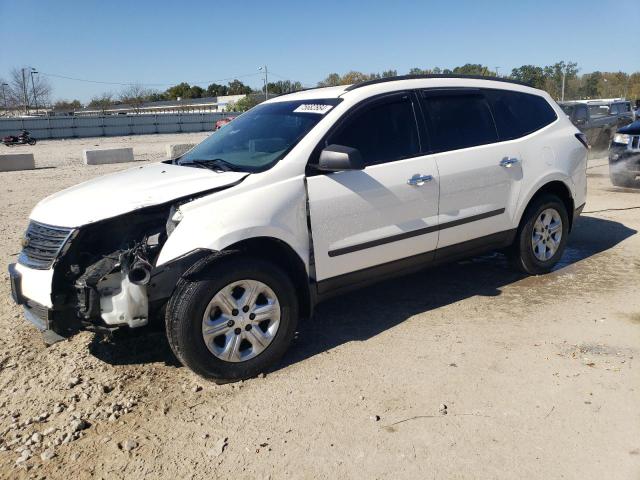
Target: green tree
column 181, row 90
column 473, row 69
column 156, row 96
column 67, row 106
column 332, row 80
column 283, row 86
column 245, row 103
column 236, row 87
column 554, row 74
column 216, row 90
column 389, row 73
column 529, row 74
column 196, row 92
column 102, row 101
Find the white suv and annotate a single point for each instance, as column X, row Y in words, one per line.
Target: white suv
column 302, row 197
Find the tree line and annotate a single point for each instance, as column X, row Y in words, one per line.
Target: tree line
column 29, row 90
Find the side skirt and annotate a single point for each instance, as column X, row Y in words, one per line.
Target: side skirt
column 354, row 280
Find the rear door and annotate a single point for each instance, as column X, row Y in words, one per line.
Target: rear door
column 479, row 177
column 389, row 210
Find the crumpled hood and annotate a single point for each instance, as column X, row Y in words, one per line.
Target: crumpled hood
column 122, row 192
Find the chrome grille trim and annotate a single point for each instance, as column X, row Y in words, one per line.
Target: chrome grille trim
column 44, row 244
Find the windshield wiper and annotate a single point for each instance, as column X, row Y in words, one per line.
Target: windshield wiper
column 214, row 164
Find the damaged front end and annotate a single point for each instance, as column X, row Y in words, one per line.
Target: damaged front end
column 104, row 274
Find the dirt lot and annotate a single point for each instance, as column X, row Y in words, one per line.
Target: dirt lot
column 539, row 375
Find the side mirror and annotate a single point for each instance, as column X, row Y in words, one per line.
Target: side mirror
column 581, row 121
column 336, row 158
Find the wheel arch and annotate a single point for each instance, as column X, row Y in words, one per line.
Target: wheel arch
column 276, row 251
column 555, row 187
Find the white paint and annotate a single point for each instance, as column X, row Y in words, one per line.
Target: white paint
column 17, row 161
column 122, row 192
column 107, row 155
column 346, row 208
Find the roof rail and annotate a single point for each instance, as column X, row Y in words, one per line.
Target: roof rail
column 415, row 77
column 305, row 90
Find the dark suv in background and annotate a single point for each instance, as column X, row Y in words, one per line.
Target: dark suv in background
column 599, row 119
column 624, row 156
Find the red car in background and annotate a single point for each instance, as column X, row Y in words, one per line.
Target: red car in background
column 222, row 122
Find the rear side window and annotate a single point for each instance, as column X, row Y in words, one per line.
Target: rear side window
column 518, row 114
column 458, row 120
column 383, row 132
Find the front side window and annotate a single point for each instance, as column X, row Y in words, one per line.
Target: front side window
column 518, row 114
column 458, row 120
column 383, row 132
column 258, row 139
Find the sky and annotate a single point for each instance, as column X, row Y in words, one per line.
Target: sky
column 160, row 43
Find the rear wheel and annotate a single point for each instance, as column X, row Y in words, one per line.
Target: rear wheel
column 234, row 324
column 542, row 236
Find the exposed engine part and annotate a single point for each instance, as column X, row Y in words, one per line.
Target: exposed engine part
column 123, row 302
column 140, row 272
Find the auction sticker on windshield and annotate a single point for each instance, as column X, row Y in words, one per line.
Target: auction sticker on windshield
column 313, row 108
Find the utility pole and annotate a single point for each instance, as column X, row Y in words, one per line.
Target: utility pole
column 4, row 95
column 266, row 82
column 564, row 76
column 33, row 85
column 24, row 92
column 498, row 72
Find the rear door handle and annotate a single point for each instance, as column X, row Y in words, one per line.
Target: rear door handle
column 508, row 162
column 418, row 180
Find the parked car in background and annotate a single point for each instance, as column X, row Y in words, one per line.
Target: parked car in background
column 624, row 156
column 222, row 122
column 309, row 195
column 599, row 119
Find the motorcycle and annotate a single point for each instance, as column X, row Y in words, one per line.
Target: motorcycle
column 24, row 138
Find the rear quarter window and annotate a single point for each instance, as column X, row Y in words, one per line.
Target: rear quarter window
column 518, row 114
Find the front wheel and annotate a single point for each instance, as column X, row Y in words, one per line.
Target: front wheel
column 236, row 322
column 31, row 141
column 542, row 236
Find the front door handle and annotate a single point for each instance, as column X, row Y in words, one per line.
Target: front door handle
column 507, row 162
column 418, row 180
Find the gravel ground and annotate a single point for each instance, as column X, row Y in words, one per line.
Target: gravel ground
column 464, row 371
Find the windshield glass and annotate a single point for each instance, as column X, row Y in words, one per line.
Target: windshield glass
column 256, row 140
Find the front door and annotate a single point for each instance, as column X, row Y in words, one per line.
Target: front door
column 385, row 212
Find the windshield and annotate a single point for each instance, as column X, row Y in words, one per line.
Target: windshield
column 258, row 139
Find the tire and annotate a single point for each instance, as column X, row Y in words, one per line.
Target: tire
column 32, row 141
column 185, row 322
column 524, row 255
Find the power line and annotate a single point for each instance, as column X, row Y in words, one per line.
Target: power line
column 126, row 84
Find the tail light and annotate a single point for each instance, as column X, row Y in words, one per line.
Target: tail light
column 583, row 140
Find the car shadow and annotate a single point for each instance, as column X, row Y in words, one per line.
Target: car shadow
column 365, row 313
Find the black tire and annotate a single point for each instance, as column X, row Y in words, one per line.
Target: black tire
column 187, row 306
column 521, row 252
column 32, row 141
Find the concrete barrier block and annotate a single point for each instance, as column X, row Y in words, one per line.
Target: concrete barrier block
column 177, row 149
column 107, row 155
column 16, row 161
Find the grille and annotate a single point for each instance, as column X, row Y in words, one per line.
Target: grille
column 42, row 245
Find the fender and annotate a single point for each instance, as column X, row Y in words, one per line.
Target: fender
column 526, row 196
column 215, row 223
